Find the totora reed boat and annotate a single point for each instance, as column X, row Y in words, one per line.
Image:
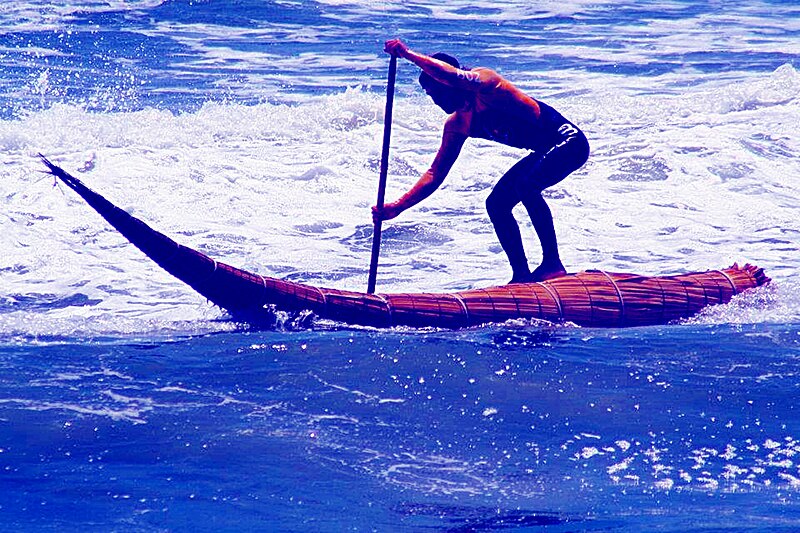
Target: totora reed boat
column 592, row 298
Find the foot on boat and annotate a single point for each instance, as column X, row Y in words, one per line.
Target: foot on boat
column 547, row 271
column 525, row 277
column 543, row 272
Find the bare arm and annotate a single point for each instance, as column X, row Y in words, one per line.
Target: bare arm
column 452, row 141
column 479, row 79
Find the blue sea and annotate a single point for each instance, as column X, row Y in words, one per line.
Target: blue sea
column 251, row 130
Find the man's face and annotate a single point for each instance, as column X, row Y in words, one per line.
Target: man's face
column 450, row 100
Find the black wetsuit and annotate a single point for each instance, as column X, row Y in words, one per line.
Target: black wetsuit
column 551, row 136
column 558, row 149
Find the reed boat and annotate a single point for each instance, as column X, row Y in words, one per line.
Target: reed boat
column 592, row 298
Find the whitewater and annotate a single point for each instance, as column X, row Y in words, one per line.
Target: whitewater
column 682, row 180
column 251, row 131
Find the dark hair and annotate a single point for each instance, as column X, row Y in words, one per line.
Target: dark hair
column 441, row 56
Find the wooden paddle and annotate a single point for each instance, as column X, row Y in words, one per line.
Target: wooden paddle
column 387, row 133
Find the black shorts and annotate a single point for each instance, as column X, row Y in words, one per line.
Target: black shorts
column 566, row 151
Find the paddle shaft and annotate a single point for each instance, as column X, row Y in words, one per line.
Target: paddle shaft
column 387, row 133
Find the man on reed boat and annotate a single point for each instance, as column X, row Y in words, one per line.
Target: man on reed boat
column 483, row 104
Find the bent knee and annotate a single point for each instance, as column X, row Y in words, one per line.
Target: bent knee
column 497, row 205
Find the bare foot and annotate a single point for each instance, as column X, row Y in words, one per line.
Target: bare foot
column 548, row 271
column 522, row 278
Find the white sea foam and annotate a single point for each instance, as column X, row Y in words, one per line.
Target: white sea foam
column 686, row 179
column 36, row 15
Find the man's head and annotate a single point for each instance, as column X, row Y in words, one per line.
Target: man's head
column 448, row 98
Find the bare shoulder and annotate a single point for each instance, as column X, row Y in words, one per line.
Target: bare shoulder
column 488, row 77
column 475, row 80
column 485, row 72
column 494, row 87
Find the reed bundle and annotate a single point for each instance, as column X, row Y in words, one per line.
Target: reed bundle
column 591, row 298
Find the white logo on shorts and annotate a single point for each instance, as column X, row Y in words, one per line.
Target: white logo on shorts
column 568, row 130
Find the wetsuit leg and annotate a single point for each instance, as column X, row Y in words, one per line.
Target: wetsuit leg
column 500, row 203
column 569, row 154
column 524, row 182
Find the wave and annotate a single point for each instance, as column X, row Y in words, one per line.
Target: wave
column 128, row 55
column 27, row 15
column 680, row 180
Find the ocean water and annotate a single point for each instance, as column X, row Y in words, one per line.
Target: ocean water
column 251, row 130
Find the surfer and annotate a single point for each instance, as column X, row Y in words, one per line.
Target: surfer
column 481, row 103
